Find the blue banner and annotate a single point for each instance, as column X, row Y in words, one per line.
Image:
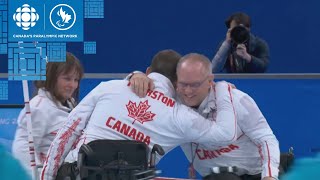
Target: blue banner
column 45, row 21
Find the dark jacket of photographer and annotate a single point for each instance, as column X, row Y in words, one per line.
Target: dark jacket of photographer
column 258, row 49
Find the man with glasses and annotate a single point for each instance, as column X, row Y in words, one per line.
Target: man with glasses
column 256, row 152
column 255, row 143
column 194, row 81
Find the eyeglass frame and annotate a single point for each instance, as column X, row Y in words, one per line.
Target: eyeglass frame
column 192, row 86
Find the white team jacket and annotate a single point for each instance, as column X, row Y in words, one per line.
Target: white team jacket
column 256, row 149
column 113, row 111
column 47, row 118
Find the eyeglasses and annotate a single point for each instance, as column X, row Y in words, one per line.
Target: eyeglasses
column 192, row 86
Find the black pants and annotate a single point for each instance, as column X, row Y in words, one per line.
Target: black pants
column 231, row 176
column 251, row 177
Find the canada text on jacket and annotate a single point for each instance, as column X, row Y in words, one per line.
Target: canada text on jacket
column 127, row 130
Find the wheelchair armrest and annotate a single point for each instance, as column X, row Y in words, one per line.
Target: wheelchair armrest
column 84, row 151
column 155, row 149
column 286, row 161
column 158, row 149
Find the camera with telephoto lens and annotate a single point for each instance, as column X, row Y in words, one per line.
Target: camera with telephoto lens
column 240, row 35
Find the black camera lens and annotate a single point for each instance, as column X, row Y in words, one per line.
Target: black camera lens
column 239, row 34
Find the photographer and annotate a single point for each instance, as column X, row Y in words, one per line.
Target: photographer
column 241, row 51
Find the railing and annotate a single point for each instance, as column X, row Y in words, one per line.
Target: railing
column 217, row 76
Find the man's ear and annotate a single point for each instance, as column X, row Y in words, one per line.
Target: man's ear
column 148, row 70
column 211, row 77
column 174, row 85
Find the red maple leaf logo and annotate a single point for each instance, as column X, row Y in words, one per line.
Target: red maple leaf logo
column 140, row 113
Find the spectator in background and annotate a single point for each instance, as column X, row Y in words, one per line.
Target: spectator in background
column 49, row 109
column 306, row 168
column 10, row 168
column 241, row 51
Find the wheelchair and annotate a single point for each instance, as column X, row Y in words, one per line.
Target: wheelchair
column 228, row 173
column 117, row 160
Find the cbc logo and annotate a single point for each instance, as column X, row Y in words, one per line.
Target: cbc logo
column 26, row 17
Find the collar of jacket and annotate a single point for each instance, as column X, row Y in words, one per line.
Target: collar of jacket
column 43, row 92
column 209, row 103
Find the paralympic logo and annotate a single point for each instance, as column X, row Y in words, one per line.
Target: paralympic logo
column 62, row 17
